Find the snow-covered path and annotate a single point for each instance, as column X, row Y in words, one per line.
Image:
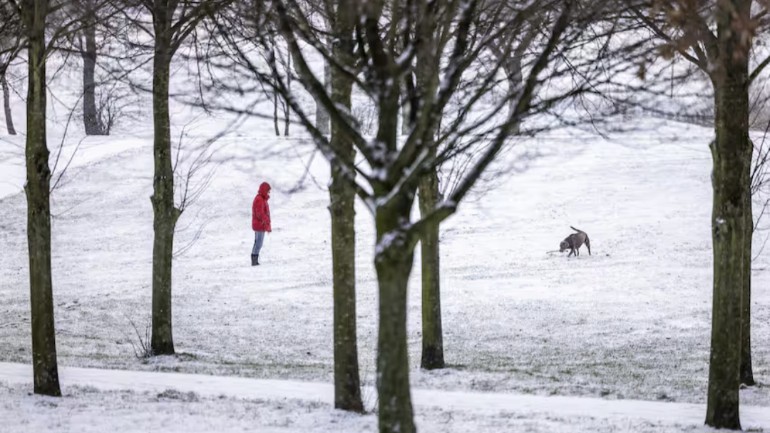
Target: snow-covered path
column 680, row 414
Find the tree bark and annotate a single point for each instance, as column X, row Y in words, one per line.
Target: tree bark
column 512, row 68
column 747, row 373
column 38, row 187
column 432, row 338
column 164, row 212
column 731, row 184
column 91, row 120
column 322, row 120
column 285, row 103
column 7, row 104
column 347, row 382
column 393, row 264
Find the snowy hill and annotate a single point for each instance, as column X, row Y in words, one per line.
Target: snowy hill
column 630, row 321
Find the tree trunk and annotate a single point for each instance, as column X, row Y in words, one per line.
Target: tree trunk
column 405, row 121
column 91, row 120
column 347, row 383
column 7, row 104
column 275, row 115
column 731, row 184
column 38, row 187
column 321, row 115
column 286, row 109
column 747, row 374
column 393, row 264
column 515, row 81
column 164, row 212
column 432, row 339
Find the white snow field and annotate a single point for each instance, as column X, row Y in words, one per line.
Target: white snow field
column 629, row 322
column 135, row 401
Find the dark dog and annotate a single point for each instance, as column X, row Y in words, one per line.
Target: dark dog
column 574, row 241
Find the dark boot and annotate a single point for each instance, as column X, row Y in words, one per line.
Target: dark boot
column 254, row 260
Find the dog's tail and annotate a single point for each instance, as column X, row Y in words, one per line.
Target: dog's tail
column 577, row 230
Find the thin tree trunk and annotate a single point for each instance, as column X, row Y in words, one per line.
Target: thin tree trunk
column 515, row 81
column 747, row 373
column 275, row 115
column 164, row 212
column 432, row 336
column 405, row 122
column 731, row 184
column 347, row 383
column 285, row 103
column 7, row 104
column 92, row 122
column 321, row 115
column 393, row 264
column 44, row 365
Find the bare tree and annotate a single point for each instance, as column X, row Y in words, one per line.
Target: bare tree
column 388, row 38
column 88, row 49
column 173, row 21
column 11, row 36
column 685, row 28
column 33, row 14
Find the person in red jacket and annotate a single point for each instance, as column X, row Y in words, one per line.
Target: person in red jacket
column 260, row 220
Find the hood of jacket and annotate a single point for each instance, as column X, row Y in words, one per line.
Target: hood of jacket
column 264, row 190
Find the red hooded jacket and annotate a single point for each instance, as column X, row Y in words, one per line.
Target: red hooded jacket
column 260, row 210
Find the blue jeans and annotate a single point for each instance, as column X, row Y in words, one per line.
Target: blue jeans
column 259, row 237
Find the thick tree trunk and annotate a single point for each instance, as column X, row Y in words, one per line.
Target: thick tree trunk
column 731, row 185
column 164, row 212
column 747, row 373
column 432, row 338
column 91, row 120
column 7, row 104
column 347, row 383
column 393, row 264
column 44, row 365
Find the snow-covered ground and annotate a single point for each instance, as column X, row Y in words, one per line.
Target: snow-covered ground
column 133, row 401
column 631, row 321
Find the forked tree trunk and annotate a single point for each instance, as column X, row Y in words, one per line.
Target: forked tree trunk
column 731, row 185
column 164, row 212
column 393, row 264
column 347, row 383
column 7, row 104
column 44, row 365
column 91, row 120
column 432, row 335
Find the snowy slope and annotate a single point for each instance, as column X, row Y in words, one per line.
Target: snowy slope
column 630, row 321
column 536, row 342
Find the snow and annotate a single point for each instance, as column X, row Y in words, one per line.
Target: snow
column 174, row 396
column 616, row 341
